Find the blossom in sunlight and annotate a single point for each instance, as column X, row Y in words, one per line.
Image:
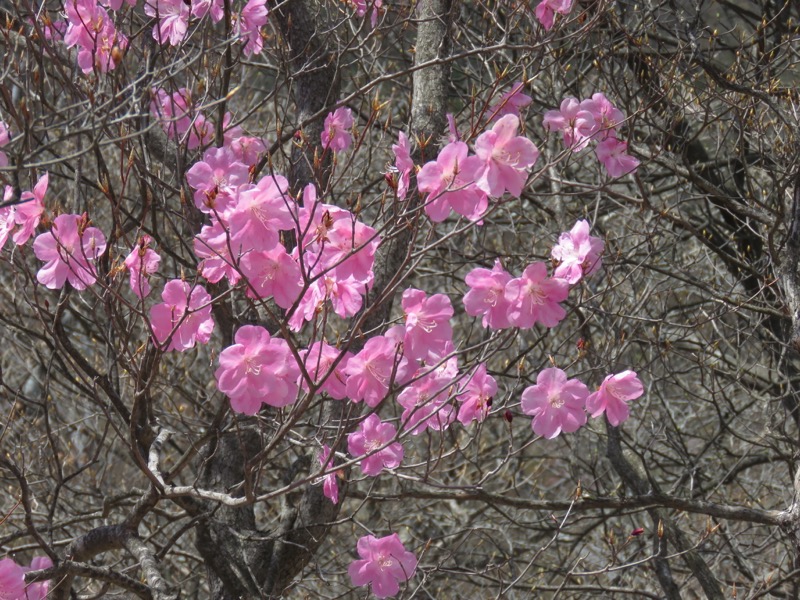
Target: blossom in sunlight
column 384, row 564
column 69, row 250
column 613, row 396
column 373, row 441
column 555, row 403
column 184, row 316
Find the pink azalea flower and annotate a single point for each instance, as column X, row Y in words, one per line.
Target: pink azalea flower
column 613, row 396
column 173, row 20
column 213, row 245
column 577, row 253
column 555, row 403
column 5, row 138
column 449, row 182
column 505, row 158
column 257, row 368
column 612, row 153
column 261, row 213
column 372, row 441
column 252, row 18
column 40, row 589
column 330, row 487
column 546, row 10
column 200, row 8
column 576, row 123
column 184, row 318
column 179, row 117
column 510, row 102
column 215, row 180
column 318, row 360
column 427, row 323
column 336, row 133
column 12, row 580
column 486, row 296
column 361, row 9
column 535, row 297
column 335, row 242
column 606, row 115
column 93, row 31
column 8, row 220
column 370, row 372
column 476, row 399
column 69, row 250
column 142, row 262
column 403, row 164
column 426, row 401
column 384, row 564
column 272, row 274
column 245, row 148
column 30, row 210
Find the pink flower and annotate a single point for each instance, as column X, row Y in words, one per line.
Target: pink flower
column 449, row 182
column 426, row 401
column 577, row 253
column 371, row 371
column 612, row 153
column 257, row 368
column 486, row 296
column 213, row 245
column 200, row 9
column 272, row 274
column 184, row 318
column 142, row 262
column 29, row 211
column 427, row 324
column 577, row 124
column 403, row 164
column 555, row 404
column 546, row 10
column 215, row 180
column 476, row 399
column 372, row 441
column 505, row 158
column 361, row 9
column 93, row 31
column 261, row 213
column 335, row 242
column 319, row 360
column 69, row 250
column 384, row 564
column 613, row 396
column 510, row 102
column 330, row 488
column 178, row 117
column 5, row 138
column 534, row 297
column 12, row 580
column 336, row 133
column 173, row 20
column 7, row 216
column 252, row 18
column 38, row 590
column 607, row 116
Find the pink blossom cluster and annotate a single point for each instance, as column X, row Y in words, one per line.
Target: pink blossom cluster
column 558, row 404
column 463, row 183
column 173, row 18
column 336, row 134
column 12, row 580
column 504, row 301
column 596, row 118
column 91, row 29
